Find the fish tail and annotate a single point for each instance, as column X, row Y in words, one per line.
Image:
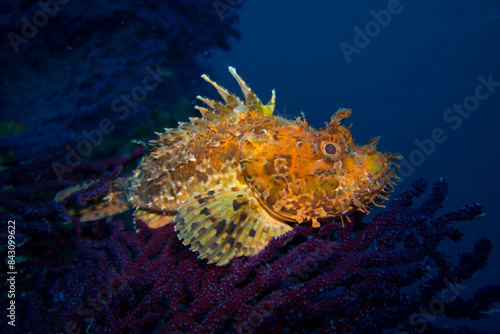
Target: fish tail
column 100, row 209
column 97, row 208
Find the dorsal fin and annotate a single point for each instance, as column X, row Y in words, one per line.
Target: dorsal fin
column 252, row 100
column 233, row 106
column 233, row 103
column 226, row 95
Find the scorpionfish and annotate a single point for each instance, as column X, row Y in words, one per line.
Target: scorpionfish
column 239, row 176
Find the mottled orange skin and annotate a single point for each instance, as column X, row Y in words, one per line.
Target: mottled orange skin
column 298, row 181
column 239, row 176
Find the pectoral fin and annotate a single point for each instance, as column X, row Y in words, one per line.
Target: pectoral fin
column 226, row 223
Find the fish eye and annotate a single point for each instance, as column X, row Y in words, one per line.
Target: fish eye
column 331, row 149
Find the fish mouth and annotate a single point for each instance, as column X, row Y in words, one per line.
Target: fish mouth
column 383, row 174
column 379, row 167
column 383, row 182
column 374, row 188
column 382, row 179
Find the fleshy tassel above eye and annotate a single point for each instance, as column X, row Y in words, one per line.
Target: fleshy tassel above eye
column 337, row 118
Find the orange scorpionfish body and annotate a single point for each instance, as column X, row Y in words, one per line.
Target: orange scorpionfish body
column 239, row 176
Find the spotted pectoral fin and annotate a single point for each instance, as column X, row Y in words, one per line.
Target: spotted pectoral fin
column 154, row 219
column 223, row 224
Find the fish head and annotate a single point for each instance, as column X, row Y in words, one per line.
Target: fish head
column 302, row 174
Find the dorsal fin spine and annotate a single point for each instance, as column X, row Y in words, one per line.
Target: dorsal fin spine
column 252, row 101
